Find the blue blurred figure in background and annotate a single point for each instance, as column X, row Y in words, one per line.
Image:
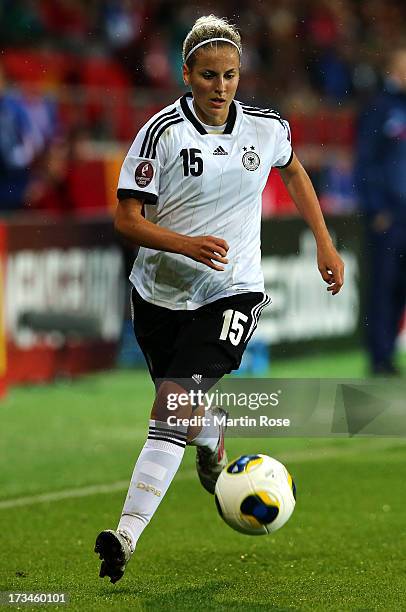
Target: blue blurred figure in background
column 381, row 183
column 17, row 148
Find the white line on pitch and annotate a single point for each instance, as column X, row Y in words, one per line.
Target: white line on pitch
column 64, row 494
column 88, row 491
column 304, row 456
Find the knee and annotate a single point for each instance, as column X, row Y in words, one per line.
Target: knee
column 170, row 401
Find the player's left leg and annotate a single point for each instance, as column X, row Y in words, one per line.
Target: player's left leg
column 211, row 455
column 209, row 346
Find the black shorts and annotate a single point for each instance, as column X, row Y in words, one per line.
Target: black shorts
column 205, row 343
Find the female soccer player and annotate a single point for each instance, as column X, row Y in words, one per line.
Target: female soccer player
column 190, row 196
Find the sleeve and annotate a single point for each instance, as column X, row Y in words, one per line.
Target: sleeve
column 141, row 169
column 283, row 146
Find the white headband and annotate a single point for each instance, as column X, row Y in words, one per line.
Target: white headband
column 205, row 42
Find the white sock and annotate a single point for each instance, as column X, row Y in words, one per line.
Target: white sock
column 209, row 434
column 156, row 466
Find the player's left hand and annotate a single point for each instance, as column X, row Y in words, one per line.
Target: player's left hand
column 331, row 267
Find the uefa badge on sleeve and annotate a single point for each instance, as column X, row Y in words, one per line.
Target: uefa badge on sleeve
column 144, row 173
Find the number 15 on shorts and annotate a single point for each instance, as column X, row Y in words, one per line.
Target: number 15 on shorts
column 233, row 328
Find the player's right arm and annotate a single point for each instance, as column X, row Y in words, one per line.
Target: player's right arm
column 139, row 184
column 130, row 223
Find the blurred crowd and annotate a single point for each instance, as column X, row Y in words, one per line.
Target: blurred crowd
column 333, row 48
column 299, row 56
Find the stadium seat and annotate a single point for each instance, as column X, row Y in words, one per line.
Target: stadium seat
column 42, row 67
column 87, row 187
column 107, row 92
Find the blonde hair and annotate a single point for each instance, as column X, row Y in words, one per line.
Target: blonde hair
column 208, row 27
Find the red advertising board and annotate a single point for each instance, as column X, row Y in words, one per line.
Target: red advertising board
column 63, row 301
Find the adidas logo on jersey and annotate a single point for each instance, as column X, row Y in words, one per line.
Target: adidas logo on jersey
column 219, row 151
column 198, row 377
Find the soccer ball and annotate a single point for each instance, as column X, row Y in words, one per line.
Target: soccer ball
column 255, row 494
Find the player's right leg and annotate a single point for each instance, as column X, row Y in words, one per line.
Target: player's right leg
column 156, row 330
column 153, row 473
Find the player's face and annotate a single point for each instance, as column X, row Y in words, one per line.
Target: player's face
column 214, row 80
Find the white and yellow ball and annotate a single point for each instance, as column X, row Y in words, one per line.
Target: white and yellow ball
column 255, row 494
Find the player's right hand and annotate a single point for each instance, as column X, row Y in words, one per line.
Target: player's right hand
column 206, row 250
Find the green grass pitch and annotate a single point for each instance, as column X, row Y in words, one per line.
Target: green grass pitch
column 68, row 451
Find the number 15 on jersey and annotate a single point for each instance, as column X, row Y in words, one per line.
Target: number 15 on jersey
column 192, row 162
column 233, row 329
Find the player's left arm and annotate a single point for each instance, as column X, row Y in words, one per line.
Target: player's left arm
column 300, row 188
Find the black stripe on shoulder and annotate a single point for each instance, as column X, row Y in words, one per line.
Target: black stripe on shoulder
column 157, row 129
column 257, row 109
column 137, row 194
column 287, row 163
column 264, row 116
column 169, row 114
column 161, row 131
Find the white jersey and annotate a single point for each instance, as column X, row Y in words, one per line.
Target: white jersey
column 197, row 183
